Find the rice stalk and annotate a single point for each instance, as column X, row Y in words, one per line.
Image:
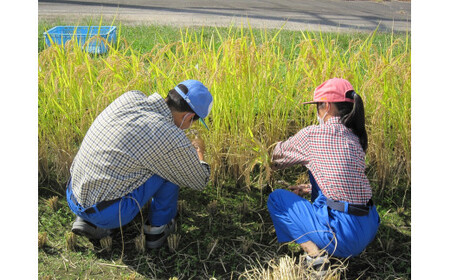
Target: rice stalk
column 71, row 241
column 258, row 89
column 286, row 267
column 52, row 203
column 173, row 241
column 139, row 243
column 106, row 243
column 42, row 240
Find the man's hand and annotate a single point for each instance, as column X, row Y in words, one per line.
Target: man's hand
column 199, row 145
column 301, row 189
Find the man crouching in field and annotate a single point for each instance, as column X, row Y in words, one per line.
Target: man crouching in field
column 134, row 152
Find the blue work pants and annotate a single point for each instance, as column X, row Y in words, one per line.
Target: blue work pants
column 163, row 193
column 340, row 234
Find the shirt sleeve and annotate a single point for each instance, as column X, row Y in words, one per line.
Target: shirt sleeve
column 292, row 151
column 185, row 168
column 180, row 165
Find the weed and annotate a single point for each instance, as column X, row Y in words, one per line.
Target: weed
column 243, row 208
column 246, row 243
column 212, row 207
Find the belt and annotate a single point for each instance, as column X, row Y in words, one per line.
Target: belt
column 353, row 209
column 100, row 206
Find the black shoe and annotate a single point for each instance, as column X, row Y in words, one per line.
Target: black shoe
column 84, row 228
column 155, row 238
column 319, row 265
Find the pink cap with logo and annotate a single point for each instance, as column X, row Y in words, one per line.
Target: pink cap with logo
column 333, row 90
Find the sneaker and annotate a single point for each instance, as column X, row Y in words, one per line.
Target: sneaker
column 156, row 236
column 84, row 228
column 320, row 265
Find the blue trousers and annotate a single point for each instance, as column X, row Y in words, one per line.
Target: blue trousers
column 163, row 193
column 340, row 234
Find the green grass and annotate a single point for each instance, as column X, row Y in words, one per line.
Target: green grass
column 387, row 257
column 258, row 78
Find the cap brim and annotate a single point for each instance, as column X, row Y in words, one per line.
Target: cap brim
column 311, row 102
column 203, row 122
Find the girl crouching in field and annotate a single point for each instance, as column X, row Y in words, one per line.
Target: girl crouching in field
column 341, row 220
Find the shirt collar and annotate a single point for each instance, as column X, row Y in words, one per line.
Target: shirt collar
column 160, row 106
column 333, row 120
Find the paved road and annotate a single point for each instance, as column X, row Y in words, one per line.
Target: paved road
column 325, row 15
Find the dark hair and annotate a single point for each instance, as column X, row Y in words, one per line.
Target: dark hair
column 177, row 103
column 352, row 116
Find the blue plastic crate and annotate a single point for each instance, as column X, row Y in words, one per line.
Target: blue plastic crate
column 61, row 34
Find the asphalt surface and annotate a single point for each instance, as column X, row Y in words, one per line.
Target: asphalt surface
column 324, row 15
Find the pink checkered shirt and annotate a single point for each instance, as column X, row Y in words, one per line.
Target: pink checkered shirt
column 333, row 154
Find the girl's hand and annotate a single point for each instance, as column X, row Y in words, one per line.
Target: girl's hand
column 301, row 189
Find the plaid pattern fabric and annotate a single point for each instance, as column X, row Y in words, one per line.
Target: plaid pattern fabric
column 130, row 141
column 334, row 156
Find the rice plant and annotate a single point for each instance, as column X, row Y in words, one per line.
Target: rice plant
column 71, row 241
column 42, row 239
column 258, row 82
column 52, row 203
column 106, row 243
column 286, row 267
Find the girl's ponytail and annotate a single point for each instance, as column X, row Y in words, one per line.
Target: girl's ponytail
column 352, row 116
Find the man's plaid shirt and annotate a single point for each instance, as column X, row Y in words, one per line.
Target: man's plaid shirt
column 334, row 156
column 130, row 141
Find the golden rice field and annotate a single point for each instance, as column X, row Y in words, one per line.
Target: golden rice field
column 258, row 82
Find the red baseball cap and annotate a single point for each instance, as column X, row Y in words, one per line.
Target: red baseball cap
column 332, row 90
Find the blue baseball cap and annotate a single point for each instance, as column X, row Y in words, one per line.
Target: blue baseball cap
column 198, row 97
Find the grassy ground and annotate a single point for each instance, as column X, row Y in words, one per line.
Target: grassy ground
column 222, row 234
column 225, row 230
column 143, row 38
column 219, row 238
